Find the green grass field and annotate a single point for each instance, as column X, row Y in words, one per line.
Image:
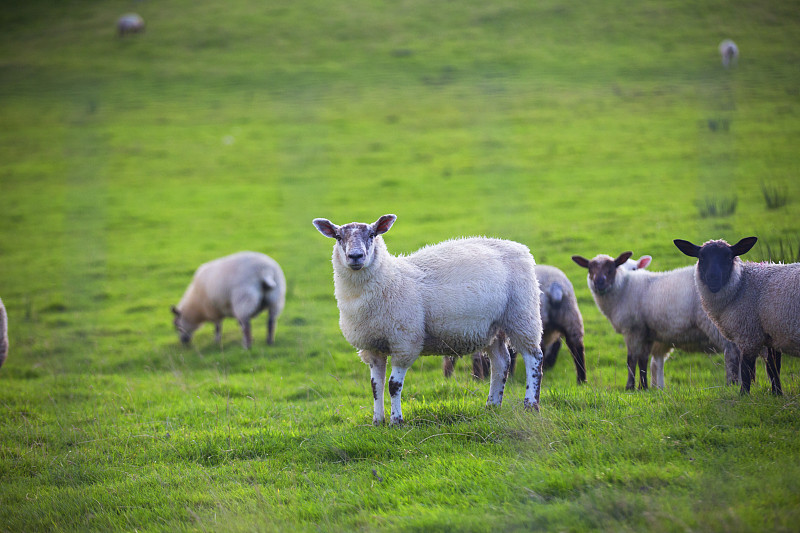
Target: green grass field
column 573, row 128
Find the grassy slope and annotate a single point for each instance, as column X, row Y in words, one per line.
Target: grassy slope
column 574, row 129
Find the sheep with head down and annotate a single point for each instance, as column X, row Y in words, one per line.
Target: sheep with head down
column 451, row 298
column 240, row 285
column 755, row 305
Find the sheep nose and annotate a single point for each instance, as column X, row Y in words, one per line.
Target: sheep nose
column 355, row 256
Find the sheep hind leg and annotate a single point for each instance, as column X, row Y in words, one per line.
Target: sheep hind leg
column 660, row 353
column 774, row 370
column 271, row 320
column 247, row 333
column 501, row 361
column 533, row 377
column 395, row 389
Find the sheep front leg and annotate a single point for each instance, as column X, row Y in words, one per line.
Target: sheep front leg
column 774, row 370
column 638, row 350
column 218, row 332
column 748, row 369
column 395, row 389
column 533, row 379
column 377, row 373
column 501, row 360
column 660, row 353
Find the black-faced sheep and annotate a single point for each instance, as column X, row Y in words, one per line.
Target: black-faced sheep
column 455, row 297
column 754, row 305
column 130, row 23
column 729, row 52
column 240, row 286
column 3, row 334
column 655, row 312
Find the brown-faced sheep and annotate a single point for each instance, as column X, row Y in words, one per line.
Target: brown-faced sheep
column 655, row 312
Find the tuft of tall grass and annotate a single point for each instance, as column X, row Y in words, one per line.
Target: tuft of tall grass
column 717, row 206
column 774, row 196
column 782, row 251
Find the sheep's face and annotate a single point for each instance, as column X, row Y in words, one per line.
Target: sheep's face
column 602, row 270
column 715, row 259
column 355, row 242
column 715, row 264
column 182, row 326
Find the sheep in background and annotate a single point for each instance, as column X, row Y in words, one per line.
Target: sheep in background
column 3, row 334
column 754, row 305
column 560, row 317
column 455, row 297
column 655, row 312
column 729, row 52
column 130, row 23
column 239, row 285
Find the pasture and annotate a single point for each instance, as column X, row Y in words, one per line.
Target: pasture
column 573, row 128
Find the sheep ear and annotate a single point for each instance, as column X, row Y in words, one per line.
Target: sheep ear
column 643, row 262
column 326, row 227
column 383, row 224
column 175, row 311
column 581, row 261
column 743, row 246
column 624, row 256
column 692, row 250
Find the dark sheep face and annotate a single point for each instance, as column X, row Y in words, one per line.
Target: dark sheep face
column 715, row 264
column 715, row 259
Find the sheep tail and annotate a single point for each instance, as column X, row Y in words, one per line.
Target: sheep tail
column 556, row 292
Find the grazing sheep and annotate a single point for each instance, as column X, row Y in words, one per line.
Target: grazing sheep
column 130, row 23
column 655, row 312
column 754, row 305
column 3, row 334
column 560, row 317
column 239, row 285
column 729, row 52
column 455, row 297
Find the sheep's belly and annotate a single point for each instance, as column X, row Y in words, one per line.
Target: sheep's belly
column 453, row 346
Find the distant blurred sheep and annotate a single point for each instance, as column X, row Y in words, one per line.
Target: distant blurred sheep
column 3, row 334
column 130, row 23
column 729, row 52
column 239, row 285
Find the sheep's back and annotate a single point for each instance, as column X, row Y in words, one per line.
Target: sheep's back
column 216, row 280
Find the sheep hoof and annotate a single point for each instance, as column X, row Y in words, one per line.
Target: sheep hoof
column 396, row 421
column 531, row 406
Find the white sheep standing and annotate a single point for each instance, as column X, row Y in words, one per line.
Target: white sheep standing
column 240, row 286
column 3, row 334
column 130, row 23
column 729, row 52
column 754, row 305
column 455, row 297
column 655, row 312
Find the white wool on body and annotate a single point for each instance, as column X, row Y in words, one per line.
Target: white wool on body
column 425, row 303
